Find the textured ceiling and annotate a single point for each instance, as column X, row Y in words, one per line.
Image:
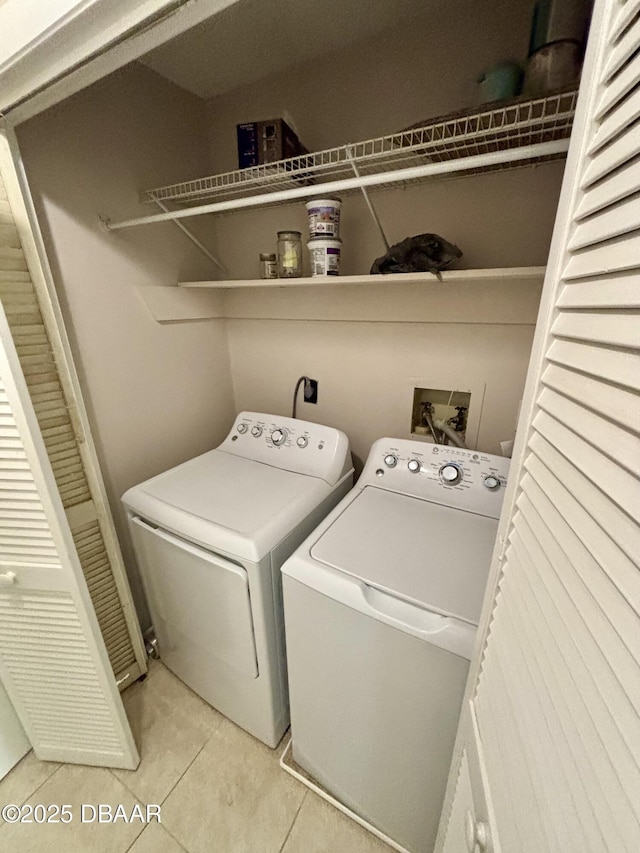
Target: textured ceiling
column 255, row 38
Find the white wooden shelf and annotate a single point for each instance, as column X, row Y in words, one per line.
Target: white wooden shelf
column 500, row 274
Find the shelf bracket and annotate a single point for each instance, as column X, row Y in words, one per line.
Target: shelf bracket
column 367, row 200
column 163, row 207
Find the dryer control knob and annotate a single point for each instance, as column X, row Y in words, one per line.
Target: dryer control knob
column 390, row 460
column 413, row 465
column 450, row 474
column 492, row 483
column 256, row 431
column 302, row 441
column 278, row 437
column 242, row 428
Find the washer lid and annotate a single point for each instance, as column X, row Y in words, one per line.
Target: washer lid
column 424, row 552
column 228, row 503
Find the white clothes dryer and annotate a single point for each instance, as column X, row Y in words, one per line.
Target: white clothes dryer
column 381, row 604
column 211, row 535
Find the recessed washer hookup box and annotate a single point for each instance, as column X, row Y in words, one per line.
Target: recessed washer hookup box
column 261, row 142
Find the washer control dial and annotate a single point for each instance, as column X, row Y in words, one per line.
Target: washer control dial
column 414, row 465
column 450, row 474
column 302, row 441
column 242, row 428
column 256, row 431
column 492, row 483
column 278, row 437
column 390, row 460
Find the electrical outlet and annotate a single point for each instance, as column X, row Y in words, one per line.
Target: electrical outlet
column 311, row 391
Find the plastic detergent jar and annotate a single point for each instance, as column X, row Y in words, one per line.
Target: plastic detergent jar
column 324, row 217
column 324, row 253
column 289, row 254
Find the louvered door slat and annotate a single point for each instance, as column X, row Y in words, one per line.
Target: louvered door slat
column 558, row 590
column 32, row 339
column 603, row 327
column 624, row 48
column 614, row 365
column 615, row 588
column 545, row 675
column 609, row 223
column 558, row 675
column 510, row 673
column 620, row 526
column 620, row 85
column 629, row 10
column 622, row 404
column 584, row 585
column 603, row 258
column 620, row 151
column 50, row 641
column 588, row 424
column 578, row 744
column 504, row 750
column 616, row 123
column 46, row 639
column 601, row 293
column 613, row 185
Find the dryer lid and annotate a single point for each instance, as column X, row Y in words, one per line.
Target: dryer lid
column 228, row 503
column 426, row 553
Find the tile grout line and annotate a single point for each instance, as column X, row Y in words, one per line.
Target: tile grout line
column 138, row 837
column 302, row 802
column 182, row 775
column 169, row 792
column 37, row 788
column 179, row 777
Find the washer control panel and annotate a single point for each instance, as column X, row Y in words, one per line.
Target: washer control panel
column 454, row 476
column 291, row 444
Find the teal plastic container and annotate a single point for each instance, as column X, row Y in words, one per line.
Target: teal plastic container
column 501, row 82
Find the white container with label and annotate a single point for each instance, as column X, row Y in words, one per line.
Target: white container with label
column 324, row 217
column 325, row 256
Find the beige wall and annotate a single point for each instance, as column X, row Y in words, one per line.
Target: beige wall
column 426, row 67
column 367, row 371
column 160, row 393
column 156, row 394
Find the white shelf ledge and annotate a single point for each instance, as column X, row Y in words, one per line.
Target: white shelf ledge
column 500, row 274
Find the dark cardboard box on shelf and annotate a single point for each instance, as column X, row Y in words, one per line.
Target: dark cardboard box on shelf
column 261, row 142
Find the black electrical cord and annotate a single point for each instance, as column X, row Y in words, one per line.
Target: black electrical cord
column 302, row 379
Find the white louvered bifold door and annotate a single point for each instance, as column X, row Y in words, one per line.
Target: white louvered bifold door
column 45, row 361
column 557, row 690
column 53, row 660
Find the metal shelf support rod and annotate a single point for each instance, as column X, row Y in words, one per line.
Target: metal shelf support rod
column 192, row 237
column 479, row 161
column 367, row 200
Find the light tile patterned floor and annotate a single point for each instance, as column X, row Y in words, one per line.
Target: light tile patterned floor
column 221, row 791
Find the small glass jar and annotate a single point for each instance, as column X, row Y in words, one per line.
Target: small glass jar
column 289, row 254
column 268, row 265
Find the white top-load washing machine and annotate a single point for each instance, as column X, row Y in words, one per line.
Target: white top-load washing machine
column 382, row 603
column 211, row 535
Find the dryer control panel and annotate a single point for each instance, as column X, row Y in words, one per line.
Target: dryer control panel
column 291, row 444
column 445, row 474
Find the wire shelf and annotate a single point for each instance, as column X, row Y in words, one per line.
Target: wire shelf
column 513, row 125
